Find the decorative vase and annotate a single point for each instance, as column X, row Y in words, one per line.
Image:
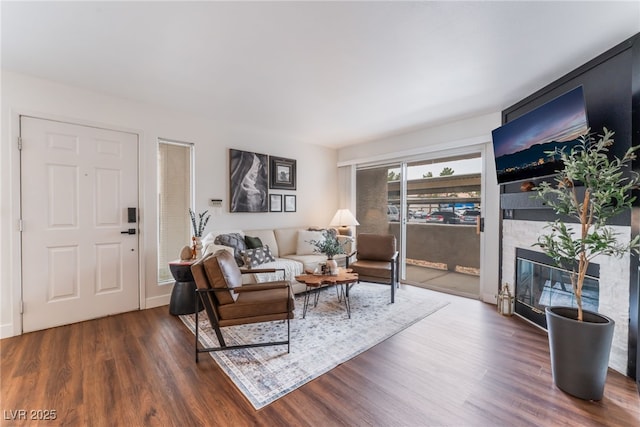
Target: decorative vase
column 579, row 351
column 332, row 266
column 197, row 247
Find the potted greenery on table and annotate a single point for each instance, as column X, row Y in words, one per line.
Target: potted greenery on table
column 330, row 246
column 580, row 340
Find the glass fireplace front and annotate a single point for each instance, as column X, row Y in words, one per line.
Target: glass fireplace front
column 539, row 284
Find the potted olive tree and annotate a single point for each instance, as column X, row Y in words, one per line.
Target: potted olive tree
column 580, row 340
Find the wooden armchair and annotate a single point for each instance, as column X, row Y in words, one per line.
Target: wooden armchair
column 227, row 302
column 377, row 260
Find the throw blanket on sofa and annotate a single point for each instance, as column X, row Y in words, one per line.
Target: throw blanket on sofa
column 291, row 269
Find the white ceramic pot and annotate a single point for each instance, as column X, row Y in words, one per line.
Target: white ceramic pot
column 332, row 265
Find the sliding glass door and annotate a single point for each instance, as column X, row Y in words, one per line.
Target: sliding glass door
column 441, row 249
column 433, row 207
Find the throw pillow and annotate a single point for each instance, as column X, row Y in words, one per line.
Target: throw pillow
column 236, row 241
column 304, row 246
column 257, row 256
column 253, row 242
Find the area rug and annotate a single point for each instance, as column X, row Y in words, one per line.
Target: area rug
column 319, row 342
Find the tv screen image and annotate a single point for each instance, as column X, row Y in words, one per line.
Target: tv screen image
column 520, row 145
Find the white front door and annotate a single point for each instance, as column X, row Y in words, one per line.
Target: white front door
column 77, row 183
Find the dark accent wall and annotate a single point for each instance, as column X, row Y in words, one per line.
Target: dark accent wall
column 611, row 85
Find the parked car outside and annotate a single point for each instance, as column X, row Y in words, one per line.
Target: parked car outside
column 393, row 214
column 470, row 216
column 419, row 214
column 443, row 217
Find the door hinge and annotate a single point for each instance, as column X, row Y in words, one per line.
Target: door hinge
column 21, row 307
column 19, row 143
column 20, row 225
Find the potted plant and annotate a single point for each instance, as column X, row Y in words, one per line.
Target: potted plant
column 580, row 340
column 330, row 246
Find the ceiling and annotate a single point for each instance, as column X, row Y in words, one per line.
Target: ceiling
column 327, row 73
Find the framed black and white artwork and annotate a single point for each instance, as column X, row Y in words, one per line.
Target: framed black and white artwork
column 275, row 202
column 289, row 203
column 248, row 181
column 283, row 173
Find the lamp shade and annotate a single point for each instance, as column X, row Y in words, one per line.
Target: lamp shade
column 343, row 218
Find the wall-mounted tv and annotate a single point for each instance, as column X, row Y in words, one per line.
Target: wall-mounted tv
column 519, row 146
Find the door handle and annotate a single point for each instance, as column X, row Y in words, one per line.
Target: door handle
column 129, row 231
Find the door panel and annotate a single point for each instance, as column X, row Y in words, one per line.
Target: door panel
column 77, row 183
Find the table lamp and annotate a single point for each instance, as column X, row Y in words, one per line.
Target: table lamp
column 344, row 219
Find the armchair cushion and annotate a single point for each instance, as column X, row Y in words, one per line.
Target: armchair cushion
column 368, row 268
column 257, row 304
column 377, row 259
column 223, row 273
column 376, row 247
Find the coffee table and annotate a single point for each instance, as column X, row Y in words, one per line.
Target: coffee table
column 314, row 282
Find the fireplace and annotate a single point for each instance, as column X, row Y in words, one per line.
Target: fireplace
column 539, row 284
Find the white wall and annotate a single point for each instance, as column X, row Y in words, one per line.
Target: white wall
column 317, row 198
column 461, row 137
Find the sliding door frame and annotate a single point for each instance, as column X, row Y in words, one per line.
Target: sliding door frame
column 478, row 145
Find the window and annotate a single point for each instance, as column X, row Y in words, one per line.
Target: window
column 174, row 201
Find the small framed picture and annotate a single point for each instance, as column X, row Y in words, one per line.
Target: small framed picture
column 275, row 202
column 282, row 173
column 289, row 203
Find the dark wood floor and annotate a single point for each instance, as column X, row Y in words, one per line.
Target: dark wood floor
column 462, row 366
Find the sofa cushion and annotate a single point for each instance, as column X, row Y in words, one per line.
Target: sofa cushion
column 310, row 262
column 253, row 242
column 287, row 240
column 304, row 245
column 234, row 240
column 255, row 257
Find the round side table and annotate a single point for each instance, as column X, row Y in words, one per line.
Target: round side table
column 183, row 295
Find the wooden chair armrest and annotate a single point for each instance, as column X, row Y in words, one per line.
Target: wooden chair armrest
column 262, row 286
column 249, row 288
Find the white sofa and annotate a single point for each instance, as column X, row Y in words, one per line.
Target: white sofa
column 290, row 248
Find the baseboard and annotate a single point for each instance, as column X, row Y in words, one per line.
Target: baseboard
column 159, row 301
column 6, row 330
column 490, row 298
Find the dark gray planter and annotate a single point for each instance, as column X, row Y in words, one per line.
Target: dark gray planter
column 579, row 351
